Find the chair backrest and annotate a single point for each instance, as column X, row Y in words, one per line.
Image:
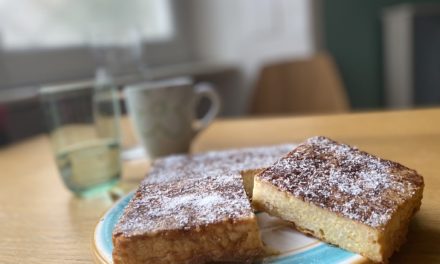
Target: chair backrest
column 306, row 86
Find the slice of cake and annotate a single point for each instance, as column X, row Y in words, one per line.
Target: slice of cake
column 193, row 220
column 342, row 195
column 246, row 161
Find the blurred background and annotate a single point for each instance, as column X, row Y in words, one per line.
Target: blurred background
column 265, row 57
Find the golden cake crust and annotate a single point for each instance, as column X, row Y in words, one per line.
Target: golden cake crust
column 344, row 180
column 226, row 241
column 342, row 195
column 194, row 220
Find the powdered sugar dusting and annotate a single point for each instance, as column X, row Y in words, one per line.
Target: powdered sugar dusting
column 185, row 204
column 186, row 191
column 344, row 180
column 215, row 162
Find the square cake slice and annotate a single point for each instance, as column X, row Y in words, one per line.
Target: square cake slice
column 342, row 195
column 194, row 220
column 246, row 161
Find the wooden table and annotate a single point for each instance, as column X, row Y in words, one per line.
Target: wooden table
column 41, row 222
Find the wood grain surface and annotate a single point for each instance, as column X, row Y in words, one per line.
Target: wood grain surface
column 42, row 222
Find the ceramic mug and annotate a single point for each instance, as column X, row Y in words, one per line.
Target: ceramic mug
column 163, row 113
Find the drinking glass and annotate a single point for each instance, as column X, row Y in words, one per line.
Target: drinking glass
column 83, row 122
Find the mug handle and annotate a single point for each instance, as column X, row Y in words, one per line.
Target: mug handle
column 206, row 90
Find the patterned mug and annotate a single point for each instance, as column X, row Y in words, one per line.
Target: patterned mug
column 163, row 113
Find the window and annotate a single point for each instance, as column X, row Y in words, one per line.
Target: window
column 45, row 41
column 33, row 24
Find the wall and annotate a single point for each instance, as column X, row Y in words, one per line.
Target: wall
column 353, row 35
column 250, row 33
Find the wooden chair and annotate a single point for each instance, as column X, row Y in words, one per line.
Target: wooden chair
column 306, row 86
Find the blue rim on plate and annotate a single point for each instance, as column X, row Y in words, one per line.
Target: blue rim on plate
column 295, row 247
